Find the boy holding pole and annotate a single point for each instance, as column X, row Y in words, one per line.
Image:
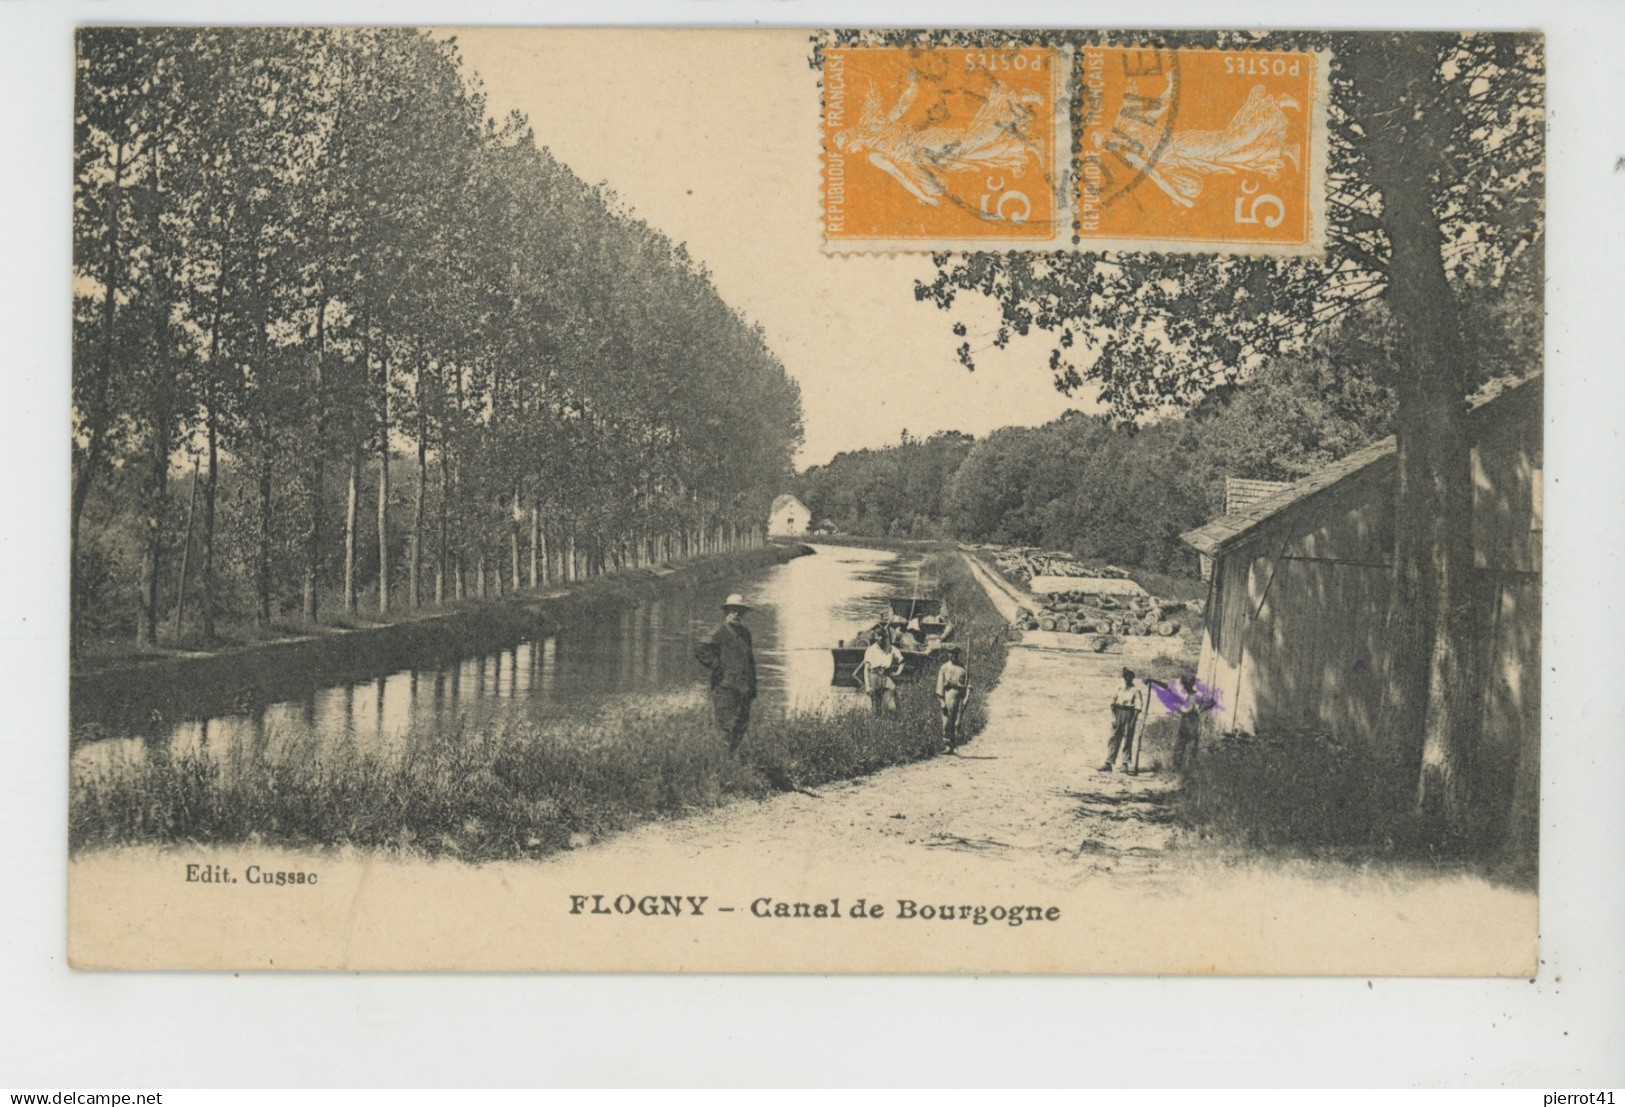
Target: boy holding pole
column 1128, row 704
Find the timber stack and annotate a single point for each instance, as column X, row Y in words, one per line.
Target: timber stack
column 1070, row 597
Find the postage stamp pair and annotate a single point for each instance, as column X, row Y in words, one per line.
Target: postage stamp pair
column 1052, row 148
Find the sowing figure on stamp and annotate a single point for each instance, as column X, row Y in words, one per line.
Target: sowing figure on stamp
column 995, row 138
column 1254, row 141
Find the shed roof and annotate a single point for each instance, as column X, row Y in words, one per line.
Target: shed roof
column 785, row 499
column 1227, row 530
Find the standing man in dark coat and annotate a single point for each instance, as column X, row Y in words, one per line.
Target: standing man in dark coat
column 728, row 654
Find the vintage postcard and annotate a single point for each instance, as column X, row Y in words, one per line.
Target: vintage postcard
column 1044, row 501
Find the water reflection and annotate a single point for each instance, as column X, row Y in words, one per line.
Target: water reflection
column 640, row 658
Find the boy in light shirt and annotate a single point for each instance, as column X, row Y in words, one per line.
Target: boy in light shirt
column 882, row 664
column 1127, row 703
column 953, row 685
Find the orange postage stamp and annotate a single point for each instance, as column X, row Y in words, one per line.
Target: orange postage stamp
column 936, row 148
column 1186, row 149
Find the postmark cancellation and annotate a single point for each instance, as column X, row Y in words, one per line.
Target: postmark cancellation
column 939, row 148
column 1054, row 148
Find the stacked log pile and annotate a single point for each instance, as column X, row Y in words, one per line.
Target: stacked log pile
column 1025, row 564
column 1085, row 612
column 1092, row 613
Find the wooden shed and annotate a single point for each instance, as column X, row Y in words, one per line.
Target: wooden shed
column 1293, row 632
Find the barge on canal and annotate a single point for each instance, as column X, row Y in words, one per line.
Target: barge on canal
column 927, row 613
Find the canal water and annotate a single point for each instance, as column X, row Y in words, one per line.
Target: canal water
column 637, row 659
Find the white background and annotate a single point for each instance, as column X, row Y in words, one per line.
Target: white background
column 1566, row 1029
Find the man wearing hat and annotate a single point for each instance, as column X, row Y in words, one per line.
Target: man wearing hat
column 728, row 654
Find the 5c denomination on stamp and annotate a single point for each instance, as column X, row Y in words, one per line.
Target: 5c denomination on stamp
column 1202, row 150
column 936, row 148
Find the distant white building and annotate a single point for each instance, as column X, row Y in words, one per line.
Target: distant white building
column 788, row 518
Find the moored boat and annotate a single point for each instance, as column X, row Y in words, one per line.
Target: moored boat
column 927, row 609
column 921, row 657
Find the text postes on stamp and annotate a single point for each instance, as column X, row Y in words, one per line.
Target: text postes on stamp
column 940, row 149
column 1201, row 150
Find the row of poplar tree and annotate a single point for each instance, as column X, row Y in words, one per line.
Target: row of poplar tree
column 307, row 264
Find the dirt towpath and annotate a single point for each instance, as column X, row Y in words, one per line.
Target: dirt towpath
column 1025, row 790
column 1022, row 821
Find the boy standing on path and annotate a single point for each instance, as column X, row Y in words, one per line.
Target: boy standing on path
column 882, row 663
column 728, row 654
column 1127, row 704
column 1190, row 701
column 953, row 683
column 1190, row 723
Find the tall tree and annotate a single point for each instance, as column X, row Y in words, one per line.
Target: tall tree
column 344, row 261
column 1435, row 189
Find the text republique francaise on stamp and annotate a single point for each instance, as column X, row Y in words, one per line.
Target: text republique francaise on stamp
column 937, row 148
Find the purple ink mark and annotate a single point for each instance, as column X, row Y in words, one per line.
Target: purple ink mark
column 1177, row 701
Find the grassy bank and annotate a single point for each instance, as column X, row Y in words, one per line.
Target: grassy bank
column 1300, row 794
column 204, row 683
column 517, row 782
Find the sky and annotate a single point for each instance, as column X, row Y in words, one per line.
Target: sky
column 713, row 137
